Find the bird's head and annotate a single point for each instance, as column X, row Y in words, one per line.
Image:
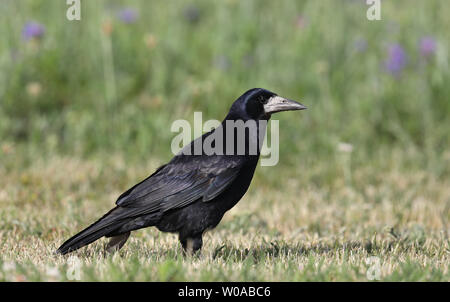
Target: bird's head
column 260, row 104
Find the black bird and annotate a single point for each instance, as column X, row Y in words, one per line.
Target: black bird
column 192, row 192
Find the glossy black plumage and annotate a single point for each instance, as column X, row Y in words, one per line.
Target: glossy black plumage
column 191, row 193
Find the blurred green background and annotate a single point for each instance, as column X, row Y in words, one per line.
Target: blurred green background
column 86, row 109
column 117, row 79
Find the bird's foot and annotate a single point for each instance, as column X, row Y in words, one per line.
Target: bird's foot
column 191, row 246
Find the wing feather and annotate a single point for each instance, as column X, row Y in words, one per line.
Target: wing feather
column 182, row 181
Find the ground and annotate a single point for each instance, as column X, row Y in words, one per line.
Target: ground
column 361, row 190
column 385, row 225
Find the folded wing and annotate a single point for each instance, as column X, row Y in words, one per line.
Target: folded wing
column 181, row 182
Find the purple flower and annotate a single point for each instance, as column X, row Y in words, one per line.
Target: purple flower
column 396, row 60
column 301, row 22
column 360, row 45
column 33, row 30
column 128, row 15
column 192, row 14
column 427, row 46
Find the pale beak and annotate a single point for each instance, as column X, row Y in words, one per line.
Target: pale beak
column 277, row 104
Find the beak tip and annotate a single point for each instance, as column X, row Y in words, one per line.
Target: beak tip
column 301, row 106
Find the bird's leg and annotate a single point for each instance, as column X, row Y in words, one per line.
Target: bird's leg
column 191, row 245
column 197, row 244
column 117, row 242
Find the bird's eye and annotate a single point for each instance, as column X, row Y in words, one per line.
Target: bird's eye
column 262, row 100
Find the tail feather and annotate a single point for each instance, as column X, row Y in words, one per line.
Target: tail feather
column 110, row 222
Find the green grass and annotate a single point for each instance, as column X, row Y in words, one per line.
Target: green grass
column 297, row 231
column 85, row 112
